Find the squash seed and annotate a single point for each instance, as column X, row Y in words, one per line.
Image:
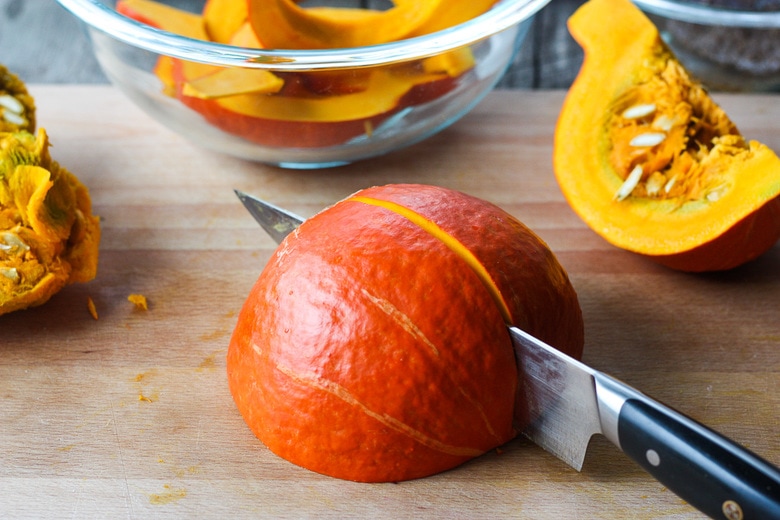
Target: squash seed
column 14, row 119
column 638, row 111
column 630, row 183
column 647, row 139
column 10, row 272
column 12, row 110
column 663, row 122
column 11, row 241
column 655, row 183
column 11, row 103
column 668, row 186
column 716, row 194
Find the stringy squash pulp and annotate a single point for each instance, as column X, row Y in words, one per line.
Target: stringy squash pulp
column 48, row 235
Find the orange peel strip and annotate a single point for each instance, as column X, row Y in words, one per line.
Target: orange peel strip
column 451, row 242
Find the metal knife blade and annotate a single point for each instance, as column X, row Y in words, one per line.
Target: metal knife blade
column 571, row 402
column 277, row 222
column 562, row 395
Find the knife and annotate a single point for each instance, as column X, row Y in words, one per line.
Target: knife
column 572, row 402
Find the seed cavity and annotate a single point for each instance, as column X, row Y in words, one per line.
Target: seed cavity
column 11, row 273
column 648, row 139
column 639, row 111
column 630, row 183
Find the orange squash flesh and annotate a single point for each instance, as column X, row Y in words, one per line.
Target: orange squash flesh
column 222, row 19
column 164, row 17
column 701, row 197
column 283, row 24
column 448, row 14
column 316, row 121
column 371, row 350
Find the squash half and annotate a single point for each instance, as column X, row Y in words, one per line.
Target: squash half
column 649, row 161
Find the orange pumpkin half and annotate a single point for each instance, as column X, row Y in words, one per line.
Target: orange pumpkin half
column 647, row 158
column 373, row 346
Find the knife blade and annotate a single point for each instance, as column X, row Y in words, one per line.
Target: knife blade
column 572, row 402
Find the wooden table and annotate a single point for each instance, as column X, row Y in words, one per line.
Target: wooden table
column 129, row 416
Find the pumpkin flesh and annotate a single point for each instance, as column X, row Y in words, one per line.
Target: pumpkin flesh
column 647, row 158
column 283, row 24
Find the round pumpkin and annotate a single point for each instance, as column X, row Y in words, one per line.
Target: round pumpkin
column 649, row 161
column 373, row 347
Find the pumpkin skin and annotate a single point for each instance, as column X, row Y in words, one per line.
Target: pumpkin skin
column 707, row 199
column 370, row 350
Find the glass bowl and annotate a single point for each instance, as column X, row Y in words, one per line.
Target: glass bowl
column 729, row 45
column 336, row 106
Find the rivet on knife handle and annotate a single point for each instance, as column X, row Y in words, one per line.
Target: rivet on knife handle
column 712, row 473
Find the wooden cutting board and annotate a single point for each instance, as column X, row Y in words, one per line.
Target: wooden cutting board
column 129, row 416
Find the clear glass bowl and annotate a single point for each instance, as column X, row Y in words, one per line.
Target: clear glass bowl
column 392, row 116
column 729, row 45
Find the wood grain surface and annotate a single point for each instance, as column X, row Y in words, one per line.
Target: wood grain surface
column 43, row 43
column 130, row 417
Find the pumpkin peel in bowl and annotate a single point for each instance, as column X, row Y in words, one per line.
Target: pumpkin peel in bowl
column 649, row 161
column 373, row 349
column 48, row 235
column 307, row 109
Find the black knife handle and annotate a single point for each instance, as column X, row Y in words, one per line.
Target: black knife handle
column 710, row 472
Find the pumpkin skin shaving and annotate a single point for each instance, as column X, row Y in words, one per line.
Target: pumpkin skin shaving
column 702, row 197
